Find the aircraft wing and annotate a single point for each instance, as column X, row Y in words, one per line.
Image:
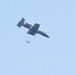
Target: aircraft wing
column 33, row 29
column 27, row 25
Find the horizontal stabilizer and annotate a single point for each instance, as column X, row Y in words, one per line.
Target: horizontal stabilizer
column 21, row 22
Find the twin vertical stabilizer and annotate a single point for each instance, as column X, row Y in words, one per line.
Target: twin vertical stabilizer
column 21, row 23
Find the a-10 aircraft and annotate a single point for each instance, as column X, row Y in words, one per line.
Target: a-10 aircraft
column 33, row 29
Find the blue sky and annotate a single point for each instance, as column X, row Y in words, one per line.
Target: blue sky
column 53, row 56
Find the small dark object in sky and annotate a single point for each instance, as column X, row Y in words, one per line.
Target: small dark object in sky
column 27, row 41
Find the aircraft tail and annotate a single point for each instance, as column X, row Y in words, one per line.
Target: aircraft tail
column 21, row 22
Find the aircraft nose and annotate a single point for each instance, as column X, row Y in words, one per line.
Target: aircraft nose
column 47, row 36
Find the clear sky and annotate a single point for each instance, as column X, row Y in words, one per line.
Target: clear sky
column 43, row 56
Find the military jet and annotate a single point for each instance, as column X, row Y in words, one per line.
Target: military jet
column 33, row 29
